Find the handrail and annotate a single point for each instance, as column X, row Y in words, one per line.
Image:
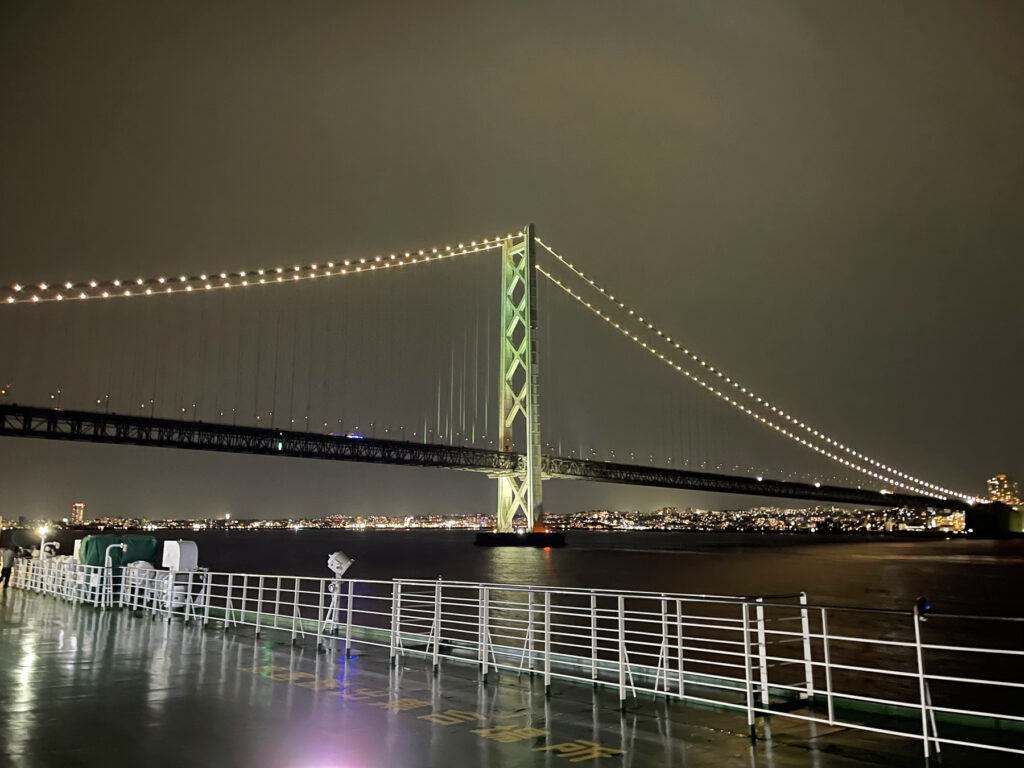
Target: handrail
column 703, row 649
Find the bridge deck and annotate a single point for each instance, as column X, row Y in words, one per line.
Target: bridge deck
column 84, row 687
column 119, row 429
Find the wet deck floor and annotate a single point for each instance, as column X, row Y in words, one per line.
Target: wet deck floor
column 84, row 687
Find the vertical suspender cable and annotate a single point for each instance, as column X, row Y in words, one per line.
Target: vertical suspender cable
column 154, row 348
column 178, row 351
column 344, row 396
column 133, row 394
column 311, row 305
column 218, row 404
column 291, row 392
column 328, row 356
column 12, row 361
column 37, row 377
column 256, row 379
column 236, row 403
column 451, row 394
column 277, row 360
column 462, row 385
column 15, row 365
column 476, row 369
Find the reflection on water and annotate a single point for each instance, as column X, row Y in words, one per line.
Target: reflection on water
column 520, row 565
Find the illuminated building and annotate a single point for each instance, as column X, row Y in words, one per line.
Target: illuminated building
column 1004, row 488
column 77, row 513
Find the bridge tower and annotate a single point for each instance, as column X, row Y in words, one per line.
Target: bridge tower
column 519, row 396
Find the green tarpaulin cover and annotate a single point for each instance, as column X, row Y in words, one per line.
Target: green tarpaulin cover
column 94, row 549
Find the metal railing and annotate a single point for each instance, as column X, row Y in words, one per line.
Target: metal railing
column 769, row 655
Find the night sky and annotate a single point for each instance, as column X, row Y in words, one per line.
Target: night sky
column 823, row 199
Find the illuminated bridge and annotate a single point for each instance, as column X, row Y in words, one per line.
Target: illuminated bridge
column 334, row 360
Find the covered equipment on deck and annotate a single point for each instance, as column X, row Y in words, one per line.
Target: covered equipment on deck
column 93, row 550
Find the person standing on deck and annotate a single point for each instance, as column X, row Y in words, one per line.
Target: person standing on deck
column 7, row 561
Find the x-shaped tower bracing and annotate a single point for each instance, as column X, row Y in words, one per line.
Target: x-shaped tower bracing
column 518, row 381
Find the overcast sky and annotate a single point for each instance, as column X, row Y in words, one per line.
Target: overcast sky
column 824, row 199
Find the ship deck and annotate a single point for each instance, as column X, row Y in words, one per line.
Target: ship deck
column 86, row 687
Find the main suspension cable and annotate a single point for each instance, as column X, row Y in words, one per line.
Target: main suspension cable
column 71, row 290
column 891, row 476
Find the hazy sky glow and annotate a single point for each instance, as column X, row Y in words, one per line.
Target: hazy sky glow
column 822, row 198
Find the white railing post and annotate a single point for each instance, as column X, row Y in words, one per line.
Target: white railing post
column 108, row 591
column 664, row 652
column 547, row 642
column 207, row 593
column 748, row 671
column 296, row 613
column 762, row 651
column 277, row 599
column 622, row 653
column 679, row 645
column 245, row 597
column 593, row 637
column 828, row 666
column 530, row 635
column 320, row 618
column 437, row 625
column 484, row 618
column 190, row 608
column 925, row 739
column 348, row 619
column 931, row 715
column 229, row 610
column 805, row 627
column 396, row 596
column 170, row 594
column 259, row 606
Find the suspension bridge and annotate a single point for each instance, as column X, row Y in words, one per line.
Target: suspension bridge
column 205, row 361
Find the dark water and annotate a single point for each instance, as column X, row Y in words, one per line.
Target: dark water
column 958, row 575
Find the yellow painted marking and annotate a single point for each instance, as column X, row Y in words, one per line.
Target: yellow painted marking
column 361, row 694
column 401, row 705
column 451, row 717
column 507, row 734
column 580, row 750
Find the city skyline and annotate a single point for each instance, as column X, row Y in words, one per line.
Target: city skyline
column 756, row 519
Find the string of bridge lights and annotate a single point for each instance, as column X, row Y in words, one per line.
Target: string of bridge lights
column 893, row 476
column 718, row 393
column 42, row 292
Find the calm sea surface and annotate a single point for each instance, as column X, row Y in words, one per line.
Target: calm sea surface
column 957, row 575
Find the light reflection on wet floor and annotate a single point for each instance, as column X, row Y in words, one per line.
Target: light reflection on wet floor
column 83, row 687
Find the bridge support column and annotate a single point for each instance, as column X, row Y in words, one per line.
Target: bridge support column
column 518, row 396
